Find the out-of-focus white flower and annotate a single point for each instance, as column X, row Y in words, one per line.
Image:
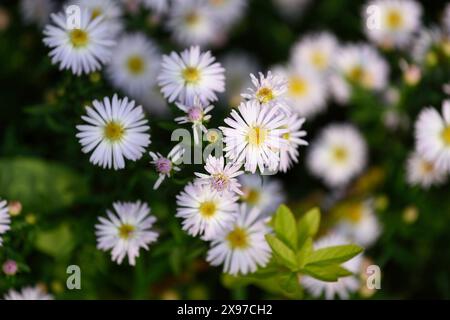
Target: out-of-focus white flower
column 135, row 64
column 262, row 192
column 291, row 9
column 393, row 23
column 189, row 75
column 427, row 45
column 197, row 114
column 432, row 131
column 243, row 247
column 343, row 287
column 115, row 131
column 82, row 50
column 446, row 18
column 165, row 166
column 289, row 152
column 338, row 154
column 5, row 219
column 153, row 101
column 315, row 51
column 254, row 136
column 227, row 12
column 206, row 212
column 28, row 293
column 126, row 231
column 221, row 177
column 307, row 91
column 423, row 172
column 110, row 10
column 36, row 11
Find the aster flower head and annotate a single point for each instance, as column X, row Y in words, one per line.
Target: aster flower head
column 165, row 166
column 36, row 11
column 423, row 173
column 221, row 177
column 189, row 75
column 197, row 114
column 268, row 90
column 294, row 139
column 82, row 49
column 432, row 131
column 115, row 130
column 397, row 21
column 28, row 293
column 337, row 155
column 126, row 230
column 109, row 10
column 5, row 219
column 205, row 212
column 135, row 64
column 343, row 287
column 242, row 248
column 227, row 12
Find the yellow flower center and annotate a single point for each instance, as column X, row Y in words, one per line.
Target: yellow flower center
column 265, row 95
column 445, row 134
column 192, row 18
column 286, row 136
column 238, row 238
column 394, row 19
column 257, row 136
column 126, row 231
column 427, row 167
column 207, row 209
column 191, row 75
column 252, row 196
column 114, row 131
column 319, row 60
column 79, row 38
column 355, row 212
column 298, row 87
column 356, row 74
column 96, row 12
column 135, row 65
column 340, row 154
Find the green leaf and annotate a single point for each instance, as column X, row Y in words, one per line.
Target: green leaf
column 289, row 282
column 282, row 252
column 308, row 225
column 329, row 273
column 285, row 226
column 57, row 242
column 304, row 252
column 333, row 255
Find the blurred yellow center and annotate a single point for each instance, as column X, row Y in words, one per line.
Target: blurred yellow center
column 427, row 167
column 355, row 212
column 252, row 196
column 340, row 154
column 265, row 95
column 319, row 60
column 394, row 19
column 286, row 136
column 238, row 239
column 446, row 136
column 356, row 74
column 125, row 231
column 257, row 136
column 114, row 131
column 192, row 18
column 96, row 12
column 79, row 38
column 207, row 209
column 191, row 75
column 135, row 65
column 298, row 87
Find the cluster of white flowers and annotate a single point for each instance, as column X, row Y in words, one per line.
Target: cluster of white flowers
column 5, row 220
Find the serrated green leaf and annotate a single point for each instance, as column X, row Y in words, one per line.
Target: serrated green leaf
column 285, row 226
column 304, row 252
column 308, row 225
column 282, row 252
column 329, row 273
column 333, row 255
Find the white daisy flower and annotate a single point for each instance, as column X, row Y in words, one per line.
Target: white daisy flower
column 363, row 65
column 338, row 154
column 134, row 65
column 165, row 166
column 307, row 91
column 315, row 51
column 254, row 136
column 36, row 11
column 192, row 23
column 221, row 177
column 289, row 152
column 432, row 132
column 345, row 285
column 227, row 11
column 196, row 114
column 204, row 211
column 191, row 74
column 238, row 65
column 428, row 44
column 82, row 50
column 5, row 219
column 157, row 6
column 268, row 91
column 396, row 22
column 423, row 172
column 115, row 131
column 243, row 247
column 28, row 293
column 360, row 224
column 262, row 192
column 126, row 230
